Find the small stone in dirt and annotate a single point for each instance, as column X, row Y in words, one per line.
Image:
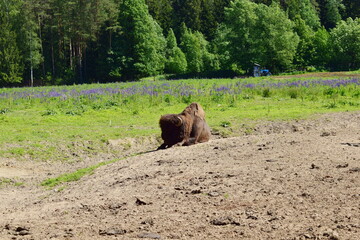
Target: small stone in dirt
column 253, row 217
column 326, row 134
column 352, row 144
column 332, row 235
column 116, row 206
column 250, row 214
column 305, row 195
column 222, row 221
column 196, row 191
column 313, row 166
column 307, row 236
column 213, row 194
column 68, row 233
column 140, row 202
column 22, row 231
column 112, row 232
column 270, row 160
column 356, row 169
column 149, row 221
column 345, row 165
column 19, row 229
column 149, row 235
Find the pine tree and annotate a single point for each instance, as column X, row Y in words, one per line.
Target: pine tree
column 11, row 64
column 330, row 12
column 10, row 60
column 31, row 43
column 188, row 12
column 175, row 58
column 162, row 12
column 352, row 8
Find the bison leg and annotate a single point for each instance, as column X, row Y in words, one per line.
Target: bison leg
column 164, row 146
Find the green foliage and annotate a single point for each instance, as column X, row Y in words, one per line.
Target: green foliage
column 196, row 49
column 140, row 43
column 10, row 59
column 70, row 122
column 162, row 11
column 259, row 33
column 11, row 64
column 352, row 8
column 275, row 43
column 305, row 49
column 305, row 10
column 30, row 42
column 175, row 58
column 240, row 19
column 322, row 49
column 330, row 12
column 53, row 42
column 346, row 45
column 266, row 92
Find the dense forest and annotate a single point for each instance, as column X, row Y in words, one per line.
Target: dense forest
column 52, row 42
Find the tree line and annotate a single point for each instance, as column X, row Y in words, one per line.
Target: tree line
column 51, row 42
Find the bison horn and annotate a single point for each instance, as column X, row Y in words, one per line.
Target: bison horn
column 180, row 123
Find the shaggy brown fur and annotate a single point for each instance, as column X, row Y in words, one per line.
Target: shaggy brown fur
column 188, row 127
column 200, row 132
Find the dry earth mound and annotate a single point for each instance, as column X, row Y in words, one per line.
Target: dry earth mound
column 293, row 180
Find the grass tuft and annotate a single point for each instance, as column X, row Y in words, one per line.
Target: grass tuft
column 74, row 176
column 77, row 175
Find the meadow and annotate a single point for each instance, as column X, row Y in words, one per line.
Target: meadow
column 58, row 123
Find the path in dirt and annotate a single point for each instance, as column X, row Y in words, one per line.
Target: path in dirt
column 288, row 180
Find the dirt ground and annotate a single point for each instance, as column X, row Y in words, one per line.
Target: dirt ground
column 285, row 180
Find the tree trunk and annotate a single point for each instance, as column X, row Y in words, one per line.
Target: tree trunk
column 31, row 76
column 80, row 63
column 70, row 55
column 52, row 59
column 84, row 66
column 41, row 47
column 52, row 55
column 31, row 63
column 110, row 39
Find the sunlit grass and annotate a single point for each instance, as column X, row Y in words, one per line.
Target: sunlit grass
column 51, row 123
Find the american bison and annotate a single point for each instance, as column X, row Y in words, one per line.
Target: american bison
column 187, row 128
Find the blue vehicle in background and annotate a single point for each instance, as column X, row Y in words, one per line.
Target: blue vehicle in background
column 258, row 72
column 265, row 72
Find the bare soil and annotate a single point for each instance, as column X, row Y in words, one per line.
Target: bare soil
column 285, row 180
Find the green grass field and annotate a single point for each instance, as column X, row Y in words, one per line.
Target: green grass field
column 54, row 123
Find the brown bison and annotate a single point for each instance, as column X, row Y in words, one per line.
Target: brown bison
column 187, row 128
